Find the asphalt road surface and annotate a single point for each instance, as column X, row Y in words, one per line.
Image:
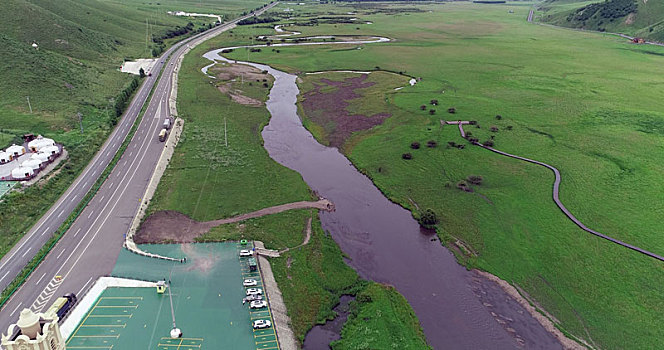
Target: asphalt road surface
column 91, row 246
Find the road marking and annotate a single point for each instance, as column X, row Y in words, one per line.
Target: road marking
column 40, row 278
column 17, row 306
column 46, row 294
column 26, row 252
column 46, row 230
column 80, row 292
column 130, row 153
column 59, row 255
column 61, row 212
column 77, row 231
column 5, row 275
column 91, row 212
column 85, row 183
column 102, row 198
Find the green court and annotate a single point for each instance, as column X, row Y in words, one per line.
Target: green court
column 5, row 186
column 207, row 297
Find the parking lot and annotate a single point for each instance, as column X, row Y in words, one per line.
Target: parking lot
column 264, row 338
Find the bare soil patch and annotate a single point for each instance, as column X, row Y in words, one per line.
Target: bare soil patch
column 329, row 109
column 235, row 72
column 174, row 227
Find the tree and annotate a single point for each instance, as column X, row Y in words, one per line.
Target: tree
column 432, row 111
column 499, row 117
column 475, row 179
column 407, row 156
column 451, row 110
column 415, row 145
column 428, row 219
column 432, row 143
column 423, row 107
column 141, row 73
column 434, row 102
column 493, row 128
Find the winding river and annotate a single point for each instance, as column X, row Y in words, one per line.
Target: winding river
column 383, row 241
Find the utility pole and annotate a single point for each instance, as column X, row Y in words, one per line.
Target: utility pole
column 225, row 134
column 29, row 105
column 80, row 120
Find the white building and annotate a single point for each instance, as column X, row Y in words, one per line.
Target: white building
column 15, row 151
column 5, row 157
column 21, row 173
column 40, row 142
column 32, row 163
column 40, row 156
column 50, row 150
column 34, row 332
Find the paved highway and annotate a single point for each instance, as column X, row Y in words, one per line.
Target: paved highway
column 91, row 246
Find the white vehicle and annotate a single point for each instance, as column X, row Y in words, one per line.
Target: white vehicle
column 260, row 324
column 258, row 304
column 254, row 291
column 252, row 298
column 249, row 282
column 246, row 252
column 167, row 123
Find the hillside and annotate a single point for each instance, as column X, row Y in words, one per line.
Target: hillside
column 640, row 18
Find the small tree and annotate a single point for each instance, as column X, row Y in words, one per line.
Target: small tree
column 141, row 73
column 451, row 110
column 428, row 219
column 432, row 143
column 415, row 145
column 407, row 156
column 432, row 111
column 488, row 143
column 423, row 107
column 475, row 179
column 509, row 127
column 499, row 117
column 434, row 102
column 493, row 128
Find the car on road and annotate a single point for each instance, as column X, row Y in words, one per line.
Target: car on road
column 258, row 304
column 249, row 282
column 246, row 252
column 254, row 291
column 63, row 305
column 260, row 324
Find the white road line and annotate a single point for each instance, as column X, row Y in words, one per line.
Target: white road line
column 45, row 230
column 91, row 212
column 5, row 275
column 83, row 288
column 26, row 252
column 85, row 183
column 17, row 306
column 40, row 278
column 101, row 199
column 61, row 212
column 77, row 231
column 59, row 255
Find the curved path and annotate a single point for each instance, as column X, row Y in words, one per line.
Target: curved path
column 556, row 199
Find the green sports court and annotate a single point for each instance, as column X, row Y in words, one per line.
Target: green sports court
column 207, row 295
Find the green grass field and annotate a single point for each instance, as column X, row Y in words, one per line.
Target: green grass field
column 81, row 47
column 207, row 180
column 586, row 103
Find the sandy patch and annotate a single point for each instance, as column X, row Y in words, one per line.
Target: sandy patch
column 134, row 67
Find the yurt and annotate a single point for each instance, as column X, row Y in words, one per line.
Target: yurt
column 40, row 142
column 32, row 163
column 5, row 157
column 21, row 173
column 15, row 151
column 40, row 156
column 50, row 150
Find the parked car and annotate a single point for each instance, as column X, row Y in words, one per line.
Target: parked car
column 246, row 252
column 260, row 324
column 254, row 291
column 258, row 304
column 251, row 298
column 249, row 282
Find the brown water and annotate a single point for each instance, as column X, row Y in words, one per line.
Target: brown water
column 384, row 243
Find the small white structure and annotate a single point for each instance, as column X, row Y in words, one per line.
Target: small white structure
column 50, row 150
column 40, row 156
column 5, row 157
column 40, row 142
column 21, row 173
column 15, row 151
column 34, row 332
column 32, row 163
column 5, row 172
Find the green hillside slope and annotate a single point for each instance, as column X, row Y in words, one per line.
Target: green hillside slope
column 640, row 18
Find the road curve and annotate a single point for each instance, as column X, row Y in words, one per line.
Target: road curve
column 91, row 246
column 556, row 199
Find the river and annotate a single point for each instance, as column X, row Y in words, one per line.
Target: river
column 384, row 243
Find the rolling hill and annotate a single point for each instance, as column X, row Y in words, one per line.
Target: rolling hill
column 639, row 18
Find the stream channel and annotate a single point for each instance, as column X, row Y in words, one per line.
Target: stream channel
column 457, row 310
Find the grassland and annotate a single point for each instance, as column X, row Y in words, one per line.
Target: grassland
column 207, row 180
column 586, row 103
column 81, row 46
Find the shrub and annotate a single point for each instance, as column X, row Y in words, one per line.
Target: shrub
column 488, row 143
column 499, row 117
column 428, row 219
column 451, row 110
column 432, row 143
column 475, row 179
column 432, row 111
column 473, row 122
column 415, row 145
column 509, row 127
column 493, row 128
column 451, row 143
column 434, row 102
column 423, row 107
column 407, row 156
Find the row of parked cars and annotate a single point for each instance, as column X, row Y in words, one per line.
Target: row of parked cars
column 254, row 295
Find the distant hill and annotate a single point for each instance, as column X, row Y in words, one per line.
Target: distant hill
column 640, row 18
